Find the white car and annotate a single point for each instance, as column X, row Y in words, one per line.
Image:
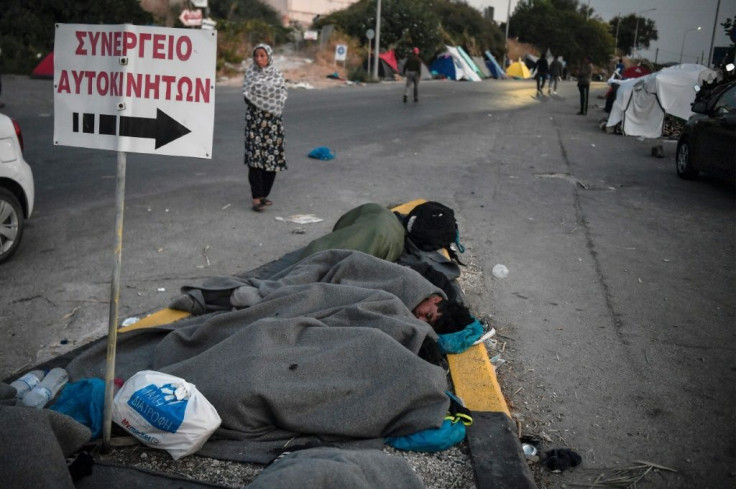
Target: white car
column 17, row 190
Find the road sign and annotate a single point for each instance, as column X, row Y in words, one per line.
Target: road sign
column 341, row 52
column 135, row 89
column 191, row 18
column 370, row 34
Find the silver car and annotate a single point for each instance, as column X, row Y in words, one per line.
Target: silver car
column 16, row 187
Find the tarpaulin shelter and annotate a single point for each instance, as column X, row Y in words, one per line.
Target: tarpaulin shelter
column 518, row 70
column 493, row 66
column 636, row 71
column 641, row 103
column 44, row 69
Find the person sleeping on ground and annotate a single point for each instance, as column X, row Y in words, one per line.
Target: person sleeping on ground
column 413, row 239
column 330, row 352
column 345, row 267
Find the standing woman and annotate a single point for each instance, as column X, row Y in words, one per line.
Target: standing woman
column 584, row 75
column 265, row 95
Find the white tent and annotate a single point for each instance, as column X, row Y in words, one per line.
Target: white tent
column 641, row 103
column 469, row 71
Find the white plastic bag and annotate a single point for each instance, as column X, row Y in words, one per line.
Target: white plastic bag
column 166, row 412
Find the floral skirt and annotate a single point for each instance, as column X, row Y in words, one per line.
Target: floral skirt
column 264, row 140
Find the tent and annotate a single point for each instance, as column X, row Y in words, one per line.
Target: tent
column 486, row 73
column 468, row 61
column 44, row 69
column 641, row 103
column 493, row 66
column 518, row 70
column 387, row 65
column 451, row 65
column 423, row 75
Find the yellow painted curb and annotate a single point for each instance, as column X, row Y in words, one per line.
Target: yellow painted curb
column 475, row 381
column 164, row 316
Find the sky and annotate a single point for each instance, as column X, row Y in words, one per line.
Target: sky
column 673, row 19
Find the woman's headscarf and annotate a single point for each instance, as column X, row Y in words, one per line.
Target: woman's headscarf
column 264, row 87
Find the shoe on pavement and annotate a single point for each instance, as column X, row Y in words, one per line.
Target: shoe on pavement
column 404, row 98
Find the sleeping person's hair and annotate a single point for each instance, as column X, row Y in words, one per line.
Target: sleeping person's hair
column 453, row 317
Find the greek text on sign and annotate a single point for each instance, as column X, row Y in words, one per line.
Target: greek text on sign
column 135, row 89
column 341, row 52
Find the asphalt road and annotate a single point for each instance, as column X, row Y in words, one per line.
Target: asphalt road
column 618, row 312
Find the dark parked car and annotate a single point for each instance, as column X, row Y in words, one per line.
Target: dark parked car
column 708, row 140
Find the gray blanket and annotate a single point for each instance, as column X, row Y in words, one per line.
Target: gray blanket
column 326, row 361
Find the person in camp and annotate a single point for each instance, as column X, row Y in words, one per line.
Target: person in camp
column 344, row 268
column 412, row 71
column 265, row 96
column 542, row 70
column 585, row 72
column 555, row 72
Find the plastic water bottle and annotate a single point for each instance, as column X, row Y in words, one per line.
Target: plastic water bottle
column 47, row 388
column 25, row 383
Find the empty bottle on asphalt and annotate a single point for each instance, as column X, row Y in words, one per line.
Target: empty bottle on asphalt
column 25, row 383
column 47, row 388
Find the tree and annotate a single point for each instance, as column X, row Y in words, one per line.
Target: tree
column 563, row 27
column 27, row 28
column 243, row 10
column 426, row 24
column 729, row 27
column 644, row 31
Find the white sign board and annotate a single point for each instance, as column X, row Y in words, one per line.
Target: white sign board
column 135, row 89
column 311, row 35
column 341, row 52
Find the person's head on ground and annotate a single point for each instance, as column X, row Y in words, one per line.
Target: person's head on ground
column 262, row 55
column 444, row 316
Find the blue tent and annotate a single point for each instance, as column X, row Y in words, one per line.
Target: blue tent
column 444, row 65
column 493, row 66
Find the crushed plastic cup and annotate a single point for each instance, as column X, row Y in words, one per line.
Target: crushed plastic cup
column 500, row 271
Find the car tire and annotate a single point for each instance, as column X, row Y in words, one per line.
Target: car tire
column 684, row 162
column 12, row 223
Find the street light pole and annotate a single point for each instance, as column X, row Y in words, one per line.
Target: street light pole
column 636, row 29
column 378, row 41
column 683, row 40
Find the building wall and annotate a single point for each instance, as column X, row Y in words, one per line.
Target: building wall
column 304, row 11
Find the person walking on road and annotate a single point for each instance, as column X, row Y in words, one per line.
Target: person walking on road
column 585, row 72
column 412, row 69
column 264, row 91
column 555, row 72
column 542, row 70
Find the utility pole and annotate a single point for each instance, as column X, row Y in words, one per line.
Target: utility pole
column 378, row 41
column 618, row 24
column 713, row 35
column 508, row 19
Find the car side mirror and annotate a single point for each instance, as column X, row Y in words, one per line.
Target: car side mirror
column 700, row 107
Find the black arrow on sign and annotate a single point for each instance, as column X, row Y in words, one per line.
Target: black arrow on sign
column 163, row 128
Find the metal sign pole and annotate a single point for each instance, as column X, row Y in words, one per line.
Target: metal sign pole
column 112, row 334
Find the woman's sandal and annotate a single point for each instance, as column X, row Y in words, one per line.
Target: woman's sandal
column 266, row 202
column 259, row 207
